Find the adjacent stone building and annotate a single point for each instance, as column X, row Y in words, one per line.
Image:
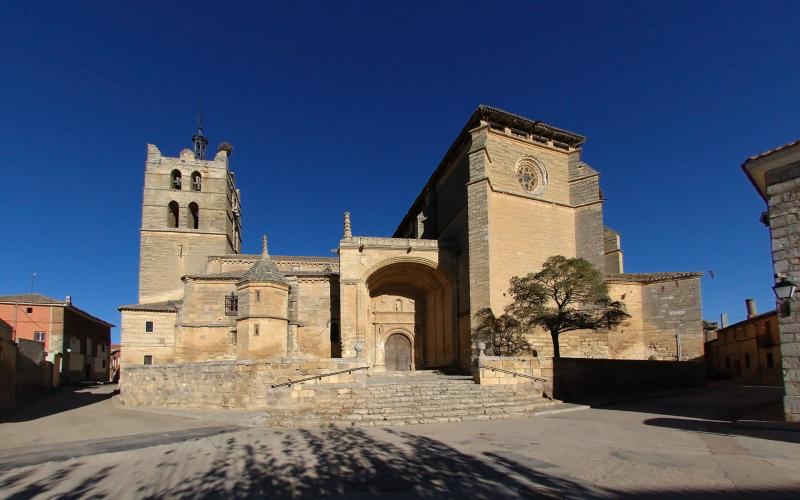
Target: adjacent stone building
column 748, row 350
column 509, row 193
column 776, row 176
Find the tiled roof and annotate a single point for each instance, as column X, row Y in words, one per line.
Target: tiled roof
column 42, row 300
column 277, row 258
column 264, row 270
column 223, row 276
column 650, row 277
column 310, row 273
column 749, row 320
column 773, row 150
column 165, row 306
column 31, row 298
column 533, row 126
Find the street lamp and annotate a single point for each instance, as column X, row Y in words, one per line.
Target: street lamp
column 784, row 291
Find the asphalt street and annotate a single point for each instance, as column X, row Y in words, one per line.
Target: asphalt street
column 682, row 445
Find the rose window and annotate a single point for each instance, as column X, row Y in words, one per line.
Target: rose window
column 531, row 175
column 527, row 177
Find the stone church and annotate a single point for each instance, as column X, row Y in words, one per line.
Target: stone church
column 508, row 193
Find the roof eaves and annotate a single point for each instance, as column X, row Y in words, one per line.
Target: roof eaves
column 89, row 316
column 481, row 112
column 747, row 320
column 651, row 277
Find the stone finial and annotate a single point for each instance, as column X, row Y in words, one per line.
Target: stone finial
column 348, row 230
column 264, row 251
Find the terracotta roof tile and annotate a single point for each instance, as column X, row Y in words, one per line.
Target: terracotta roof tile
column 650, row 277
column 31, row 298
column 165, row 306
column 773, row 150
column 264, row 270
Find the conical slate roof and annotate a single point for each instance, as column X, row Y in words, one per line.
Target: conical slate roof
column 264, row 270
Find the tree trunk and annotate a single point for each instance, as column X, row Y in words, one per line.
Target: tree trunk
column 556, row 349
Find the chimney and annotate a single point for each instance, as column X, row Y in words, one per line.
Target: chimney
column 68, row 299
column 723, row 320
column 750, row 304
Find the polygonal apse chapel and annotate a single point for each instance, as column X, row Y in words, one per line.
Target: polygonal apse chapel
column 509, row 193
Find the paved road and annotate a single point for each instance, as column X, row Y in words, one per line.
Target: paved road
column 672, row 446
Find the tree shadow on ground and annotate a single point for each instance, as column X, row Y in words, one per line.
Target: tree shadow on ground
column 41, row 487
column 350, row 463
column 63, row 399
column 353, row 463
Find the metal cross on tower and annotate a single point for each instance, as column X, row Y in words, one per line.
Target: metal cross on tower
column 199, row 140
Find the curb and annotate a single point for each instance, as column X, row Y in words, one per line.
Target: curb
column 766, row 425
column 564, row 408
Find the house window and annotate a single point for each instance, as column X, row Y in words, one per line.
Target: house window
column 39, row 336
column 746, row 360
column 770, row 360
column 148, row 326
column 232, row 337
column 29, row 310
column 104, row 363
column 148, row 359
column 231, row 305
column 255, row 331
column 258, row 295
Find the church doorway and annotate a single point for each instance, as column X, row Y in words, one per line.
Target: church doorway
column 397, row 353
column 415, row 299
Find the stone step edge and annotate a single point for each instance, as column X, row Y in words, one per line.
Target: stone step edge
column 409, row 421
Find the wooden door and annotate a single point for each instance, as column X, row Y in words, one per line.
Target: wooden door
column 397, row 353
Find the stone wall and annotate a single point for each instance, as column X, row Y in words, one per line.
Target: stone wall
column 494, row 370
column 137, row 343
column 232, row 384
column 577, row 378
column 8, row 366
column 203, row 330
column 672, row 308
column 525, row 228
column 317, row 311
column 784, row 221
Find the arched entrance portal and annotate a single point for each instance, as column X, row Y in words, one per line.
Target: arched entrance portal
column 411, row 313
column 397, row 353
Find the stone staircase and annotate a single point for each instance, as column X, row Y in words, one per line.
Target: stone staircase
column 417, row 397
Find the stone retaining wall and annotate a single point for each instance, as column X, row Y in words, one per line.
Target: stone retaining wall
column 531, row 366
column 233, row 384
column 577, row 378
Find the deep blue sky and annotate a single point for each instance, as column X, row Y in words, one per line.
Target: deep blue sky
column 335, row 106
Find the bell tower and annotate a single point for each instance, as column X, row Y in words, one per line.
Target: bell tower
column 190, row 211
